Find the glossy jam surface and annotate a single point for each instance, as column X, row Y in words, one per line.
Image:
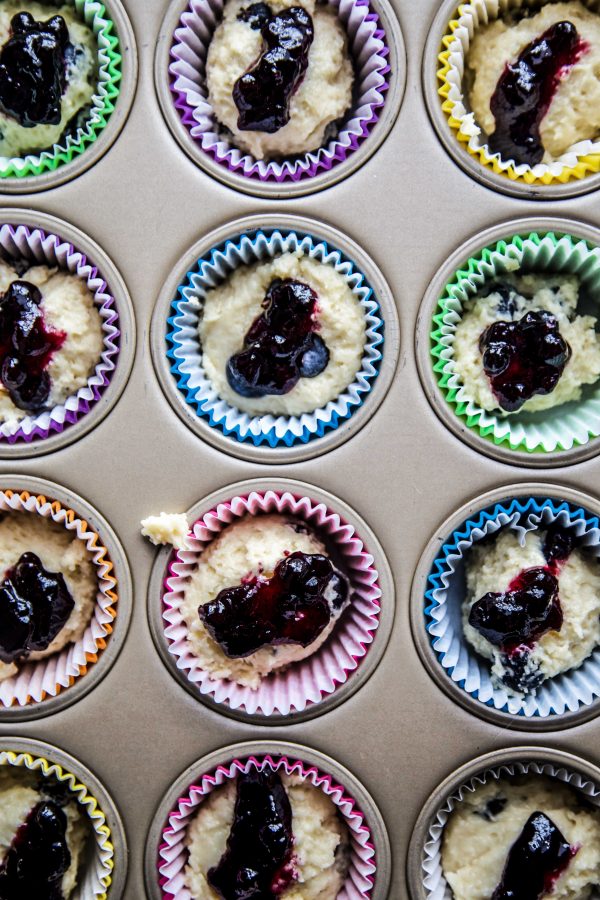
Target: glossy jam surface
column 33, row 70
column 536, row 860
column 293, row 606
column 26, row 346
column 34, row 605
column 262, row 95
column 257, row 862
column 281, row 345
column 525, row 90
column 523, row 358
column 38, row 857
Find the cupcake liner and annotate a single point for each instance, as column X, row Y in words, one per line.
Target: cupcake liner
column 47, row 677
column 368, row 48
column 172, row 854
column 446, row 591
column 308, row 681
column 562, row 428
column 436, row 886
column 98, row 874
column 103, row 102
column 19, row 243
column 580, row 160
column 185, row 353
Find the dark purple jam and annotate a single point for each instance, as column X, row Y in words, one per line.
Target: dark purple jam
column 523, row 358
column 262, row 95
column 34, row 606
column 257, row 862
column 525, row 90
column 26, row 346
column 38, row 857
column 288, row 608
column 33, row 70
column 281, row 345
column 536, row 860
column 558, row 546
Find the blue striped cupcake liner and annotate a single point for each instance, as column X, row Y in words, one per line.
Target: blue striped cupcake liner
column 446, row 590
column 185, row 352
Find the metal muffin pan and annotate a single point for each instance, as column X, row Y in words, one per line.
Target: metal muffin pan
column 408, row 207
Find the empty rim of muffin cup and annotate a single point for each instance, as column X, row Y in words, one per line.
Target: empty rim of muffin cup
column 44, row 686
column 377, row 49
column 576, row 172
column 104, row 873
column 424, row 865
column 563, row 435
column 110, row 105
column 335, row 670
column 439, row 590
column 370, row 859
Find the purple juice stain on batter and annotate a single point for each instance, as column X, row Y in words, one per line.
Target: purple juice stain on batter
column 38, row 857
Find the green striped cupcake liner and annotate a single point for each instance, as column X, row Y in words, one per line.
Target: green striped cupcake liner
column 95, row 16
column 563, row 428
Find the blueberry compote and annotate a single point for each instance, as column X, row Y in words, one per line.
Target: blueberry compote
column 34, row 606
column 33, row 70
column 26, row 346
column 281, row 345
column 293, row 606
column 38, row 857
column 523, row 358
column 525, row 91
column 257, row 862
column 536, row 860
column 262, row 95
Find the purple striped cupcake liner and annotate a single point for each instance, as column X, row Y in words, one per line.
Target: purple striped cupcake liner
column 369, row 50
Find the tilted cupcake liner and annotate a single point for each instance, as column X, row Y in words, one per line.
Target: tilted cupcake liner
column 447, row 590
column 561, row 428
column 173, row 855
column 36, row 247
column 369, row 51
column 436, row 886
column 580, row 160
column 305, row 682
column 48, row 677
column 185, row 352
column 96, row 880
column 103, row 102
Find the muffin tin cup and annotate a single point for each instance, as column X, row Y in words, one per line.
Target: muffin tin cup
column 562, row 436
column 337, row 669
column 378, row 51
column 437, row 593
column 424, row 870
column 47, row 685
column 177, row 353
column 44, row 240
column 117, row 68
column 578, row 170
column 106, row 870
column 166, row 856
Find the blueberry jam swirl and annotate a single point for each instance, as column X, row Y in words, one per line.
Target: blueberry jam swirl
column 523, row 358
column 262, row 95
column 525, row 90
column 39, row 856
column 535, row 862
column 33, row 70
column 256, row 864
column 281, row 345
column 293, row 606
column 34, row 606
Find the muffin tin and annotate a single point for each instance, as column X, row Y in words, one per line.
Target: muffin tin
column 409, row 207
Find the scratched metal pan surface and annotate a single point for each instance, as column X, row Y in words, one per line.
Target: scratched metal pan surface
column 408, row 207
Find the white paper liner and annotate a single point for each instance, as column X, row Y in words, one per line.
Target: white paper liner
column 173, row 855
column 435, row 884
column 307, row 681
column 47, row 677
